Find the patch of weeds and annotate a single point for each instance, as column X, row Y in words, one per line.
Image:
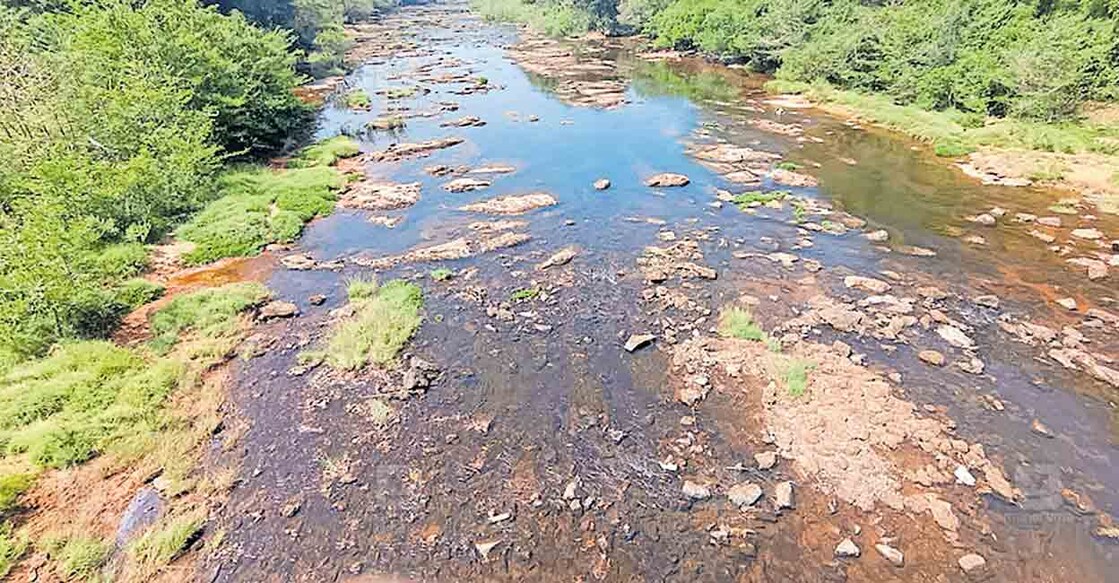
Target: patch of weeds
column 211, row 312
column 401, row 92
column 951, row 149
column 12, row 547
column 358, row 99
column 121, row 260
column 78, row 557
column 739, row 323
column 361, row 289
column 259, row 206
column 12, row 486
column 165, row 541
column 800, row 211
column 442, row 274
column 384, row 319
column 385, row 124
column 326, row 152
column 524, row 294
column 1065, row 206
column 788, row 165
column 137, row 292
column 796, row 376
column 757, row 198
column 81, row 399
column 1051, row 173
column 378, row 411
column 482, row 81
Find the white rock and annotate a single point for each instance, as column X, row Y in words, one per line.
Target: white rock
column 745, row 494
column 695, row 490
column 847, row 548
column 783, row 495
column 971, row 562
column 890, row 554
column 955, row 337
column 963, row 476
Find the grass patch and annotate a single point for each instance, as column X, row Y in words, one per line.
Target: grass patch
column 358, row 99
column 260, row 206
column 165, row 541
column 384, row 319
column 12, row 547
column 525, row 294
column 401, row 92
column 80, row 400
column 137, row 292
column 739, row 323
column 796, row 376
column 441, row 274
column 211, row 312
column 326, row 152
column 78, row 557
column 800, row 211
column 387, row 123
column 955, row 133
column 12, row 486
column 788, row 165
column 761, row 197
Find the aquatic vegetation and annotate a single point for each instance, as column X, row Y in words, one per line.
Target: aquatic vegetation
column 524, row 294
column 760, row 197
column 442, row 274
column 739, row 323
column 384, row 319
column 788, row 165
column 358, row 99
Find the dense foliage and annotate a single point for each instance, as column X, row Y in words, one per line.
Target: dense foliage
column 1031, row 59
column 115, row 117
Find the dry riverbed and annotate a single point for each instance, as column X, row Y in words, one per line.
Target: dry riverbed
column 665, row 334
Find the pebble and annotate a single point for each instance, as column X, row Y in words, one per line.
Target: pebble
column 1068, row 304
column 963, row 476
column 847, row 548
column 1040, row 428
column 745, row 494
column 484, row 548
column 695, row 491
column 891, row 554
column 602, row 184
column 783, row 495
column 931, row 357
column 971, row 562
column 766, row 459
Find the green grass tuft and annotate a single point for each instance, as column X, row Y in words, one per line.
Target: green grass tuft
column 326, row 152
column 79, row 557
column 211, row 312
column 788, row 165
column 525, row 294
column 738, row 323
column 796, row 376
column 165, row 541
column 384, row 319
column 760, row 197
column 358, row 99
column 12, row 547
column 442, row 274
column 12, row 486
column 260, row 206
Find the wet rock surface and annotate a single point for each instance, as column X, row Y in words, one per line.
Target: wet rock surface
column 574, row 405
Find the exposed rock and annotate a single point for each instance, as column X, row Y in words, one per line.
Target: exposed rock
column 1089, row 234
column 878, row 236
column 916, row 251
column 561, row 257
column 1049, row 221
column 783, row 495
column 380, row 196
column 299, row 262
column 695, row 491
column 1043, row 237
column 983, row 219
column 790, row 178
column 493, row 169
column 931, row 357
column 512, row 204
column 987, row 301
column 891, row 554
column 462, row 122
column 971, row 365
column 766, row 459
column 465, row 185
column 636, row 341
column 667, row 179
column 412, row 150
column 745, row 494
column 847, row 548
column 955, row 337
column 317, row 299
column 868, row 284
column 964, row 476
column 1068, row 304
column 602, row 184
column 972, row 562
column 278, row 309
column 485, row 548
column 1096, row 269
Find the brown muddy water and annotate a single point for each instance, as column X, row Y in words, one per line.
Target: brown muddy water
column 537, row 452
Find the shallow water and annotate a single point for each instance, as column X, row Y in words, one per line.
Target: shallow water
column 552, row 395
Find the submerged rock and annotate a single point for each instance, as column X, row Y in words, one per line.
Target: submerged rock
column 561, row 257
